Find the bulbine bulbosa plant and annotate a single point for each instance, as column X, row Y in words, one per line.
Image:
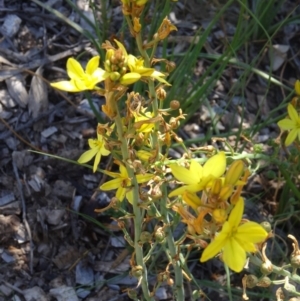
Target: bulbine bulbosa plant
column 149, row 187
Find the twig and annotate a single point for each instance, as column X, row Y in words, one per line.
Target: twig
column 24, row 216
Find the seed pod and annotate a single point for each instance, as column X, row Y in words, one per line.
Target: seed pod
column 174, row 104
column 251, row 281
column 145, row 237
column 295, row 261
column 264, row 282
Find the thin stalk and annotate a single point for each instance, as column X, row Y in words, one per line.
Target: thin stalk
column 138, row 218
column 179, row 291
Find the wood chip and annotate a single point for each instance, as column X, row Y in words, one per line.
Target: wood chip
column 49, row 131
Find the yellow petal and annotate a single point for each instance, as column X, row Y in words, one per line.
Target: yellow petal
column 92, row 65
column 177, row 192
column 121, row 192
column 97, row 161
column 87, row 156
column 286, row 124
column 291, row 137
column 100, row 74
column 196, row 170
column 74, row 69
column 293, row 113
column 123, row 171
column 144, row 178
column 129, row 78
column 112, row 184
column 216, row 245
column 129, row 196
column 252, row 232
column 297, row 87
column 236, row 213
column 234, row 255
column 80, row 84
column 215, row 165
column 67, row 86
column 185, row 175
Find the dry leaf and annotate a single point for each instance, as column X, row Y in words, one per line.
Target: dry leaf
column 38, row 94
column 16, row 88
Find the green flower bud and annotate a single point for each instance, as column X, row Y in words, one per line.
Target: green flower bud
column 160, row 235
column 267, row 226
column 132, row 294
column 137, row 271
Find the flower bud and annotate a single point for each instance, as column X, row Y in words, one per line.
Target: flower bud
column 160, row 235
column 151, row 210
column 137, row 271
column 267, row 226
column 137, row 25
column 132, row 294
column 114, row 76
column 219, row 215
column 234, row 172
column 141, row 2
column 162, row 277
column 129, row 78
column 145, row 237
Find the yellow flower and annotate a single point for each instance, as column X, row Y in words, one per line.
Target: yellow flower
column 122, row 183
column 197, row 177
column 137, row 66
column 137, row 69
column 291, row 124
column 97, row 148
column 81, row 80
column 235, row 240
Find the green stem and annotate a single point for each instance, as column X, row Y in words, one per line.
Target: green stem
column 138, row 217
column 179, row 291
column 174, row 252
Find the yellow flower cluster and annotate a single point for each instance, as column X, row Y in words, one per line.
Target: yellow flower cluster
column 220, row 198
column 119, row 66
